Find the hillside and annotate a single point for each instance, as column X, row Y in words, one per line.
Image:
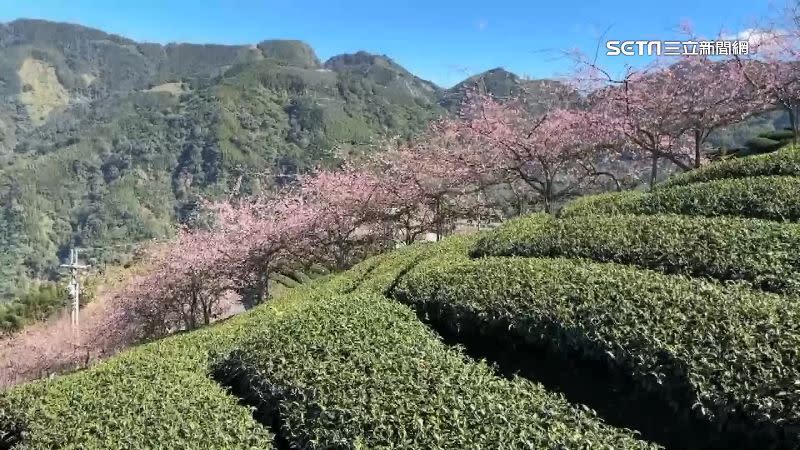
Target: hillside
column 668, row 315
column 105, row 142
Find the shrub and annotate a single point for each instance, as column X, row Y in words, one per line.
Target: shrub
column 764, row 253
column 760, row 144
column 361, row 371
column 155, row 396
column 724, row 354
column 358, row 371
column 783, row 162
column 38, row 303
column 284, row 280
column 317, row 270
column 779, row 135
column 385, row 273
column 768, row 197
column 298, row 276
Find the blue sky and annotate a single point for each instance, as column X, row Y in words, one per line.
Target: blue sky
column 443, row 41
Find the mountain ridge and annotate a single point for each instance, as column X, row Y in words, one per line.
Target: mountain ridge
column 105, row 141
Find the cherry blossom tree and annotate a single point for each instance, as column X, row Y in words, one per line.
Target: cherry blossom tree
column 433, row 181
column 259, row 236
column 642, row 112
column 349, row 206
column 773, row 71
column 710, row 95
column 182, row 291
column 552, row 153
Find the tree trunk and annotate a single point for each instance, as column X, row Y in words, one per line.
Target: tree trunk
column 654, row 170
column 438, row 218
column 262, row 292
column 793, row 113
column 697, row 139
column 548, row 196
column 206, row 306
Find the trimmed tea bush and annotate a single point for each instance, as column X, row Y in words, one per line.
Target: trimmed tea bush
column 773, row 198
column 284, row 280
column 379, row 273
column 361, row 371
column 783, row 162
column 764, row 253
column 725, row 354
column 156, row 396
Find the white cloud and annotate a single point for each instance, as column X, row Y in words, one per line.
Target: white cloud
column 483, row 24
column 764, row 41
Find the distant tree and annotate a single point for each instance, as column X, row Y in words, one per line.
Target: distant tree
column 710, row 95
column 432, row 181
column 259, row 236
column 347, row 207
column 553, row 153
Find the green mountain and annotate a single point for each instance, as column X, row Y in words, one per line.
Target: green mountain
column 504, row 84
column 105, row 142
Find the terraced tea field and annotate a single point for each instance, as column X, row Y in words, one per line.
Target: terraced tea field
column 634, row 321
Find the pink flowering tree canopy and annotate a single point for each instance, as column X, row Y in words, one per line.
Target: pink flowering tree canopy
column 551, row 153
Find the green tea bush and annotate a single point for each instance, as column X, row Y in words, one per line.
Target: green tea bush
column 378, row 273
column 725, row 354
column 764, row 253
column 766, row 197
column 386, row 272
column 351, row 371
column 284, row 280
column 39, row 303
column 360, row 371
column 155, row 396
column 298, row 276
column 783, row 162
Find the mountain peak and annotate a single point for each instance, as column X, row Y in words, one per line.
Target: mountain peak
column 362, row 60
column 292, row 52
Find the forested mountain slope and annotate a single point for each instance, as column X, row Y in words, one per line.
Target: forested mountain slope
column 105, row 142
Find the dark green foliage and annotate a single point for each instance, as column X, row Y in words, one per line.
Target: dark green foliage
column 39, row 303
column 779, row 135
column 13, row 428
column 156, row 396
column 764, row 197
column 764, row 253
column 725, row 354
column 762, row 145
column 379, row 274
column 783, row 162
column 284, row 280
column 349, row 372
column 732, row 138
column 298, row 276
column 317, row 270
column 293, row 53
column 125, row 165
column 362, row 372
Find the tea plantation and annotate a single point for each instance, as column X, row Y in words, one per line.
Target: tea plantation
column 686, row 295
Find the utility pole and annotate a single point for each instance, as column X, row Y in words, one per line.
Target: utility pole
column 74, row 288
